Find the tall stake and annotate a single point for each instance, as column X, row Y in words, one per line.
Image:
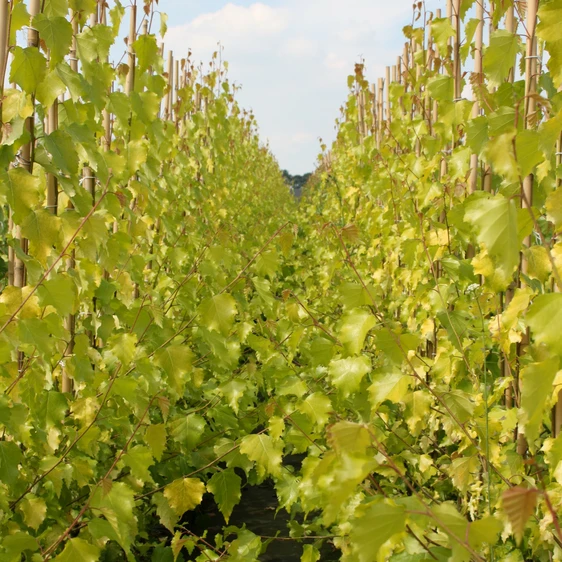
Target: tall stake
column 527, row 187
column 479, row 34
column 70, row 320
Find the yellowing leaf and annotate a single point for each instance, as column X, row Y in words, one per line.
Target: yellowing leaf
column 495, row 224
column 545, row 320
column 155, row 437
column 353, row 329
column 34, row 510
column 266, row 453
column 349, row 438
column 184, row 494
column 373, row 525
column 347, row 374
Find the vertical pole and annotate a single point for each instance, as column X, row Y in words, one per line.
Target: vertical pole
column 130, row 81
column 387, row 94
column 4, row 35
column 527, row 188
column 479, row 34
column 557, row 410
column 456, row 23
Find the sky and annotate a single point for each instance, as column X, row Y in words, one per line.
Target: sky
column 292, row 59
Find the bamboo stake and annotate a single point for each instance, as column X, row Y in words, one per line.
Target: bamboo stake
column 70, row 320
column 456, row 23
column 557, row 410
column 527, row 188
column 479, row 36
column 4, row 37
column 387, row 94
column 130, row 81
column 5, row 9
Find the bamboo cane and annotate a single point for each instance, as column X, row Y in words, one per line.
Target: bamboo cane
column 130, row 80
column 527, row 188
column 479, row 36
column 387, row 94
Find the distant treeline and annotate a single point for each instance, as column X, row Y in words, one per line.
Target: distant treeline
column 296, row 182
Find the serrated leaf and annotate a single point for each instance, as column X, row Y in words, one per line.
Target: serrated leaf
column 346, row 374
column 34, row 510
column 519, row 504
column 184, row 494
column 218, row 313
column 548, row 29
column 155, row 436
column 372, row 526
column 176, row 361
column 56, row 31
column 266, row 453
column 28, row 68
column 225, row 487
column 495, row 224
column 10, row 457
column 499, row 55
column 353, row 329
column 59, row 292
column 545, row 320
column 78, row 549
column 317, row 408
column 349, row 438
column 139, row 459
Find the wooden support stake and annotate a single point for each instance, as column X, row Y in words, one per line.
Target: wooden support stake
column 130, row 81
column 479, row 36
column 387, row 94
column 527, row 188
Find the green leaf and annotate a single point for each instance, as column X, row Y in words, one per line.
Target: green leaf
column 499, row 56
column 10, row 457
column 494, row 219
column 78, row 549
column 21, row 191
column 57, row 33
column 41, row 228
column 184, row 494
column 61, row 147
column 155, row 437
column 441, row 32
column 225, row 486
column 548, row 29
column 388, row 386
column 147, row 51
column 34, row 510
column 50, row 89
column 60, row 292
column 176, row 361
column 54, row 8
column 349, row 438
column 310, row 553
column 353, row 329
column 28, row 68
column 545, row 320
column 218, row 313
column 266, row 453
column 139, row 459
column 187, row 430
column 317, row 407
column 52, row 409
column 347, row 374
column 117, row 508
column 528, row 150
column 375, row 523
column 554, row 208
column 442, row 88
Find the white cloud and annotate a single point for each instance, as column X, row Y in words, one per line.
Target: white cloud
column 335, row 62
column 293, row 57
